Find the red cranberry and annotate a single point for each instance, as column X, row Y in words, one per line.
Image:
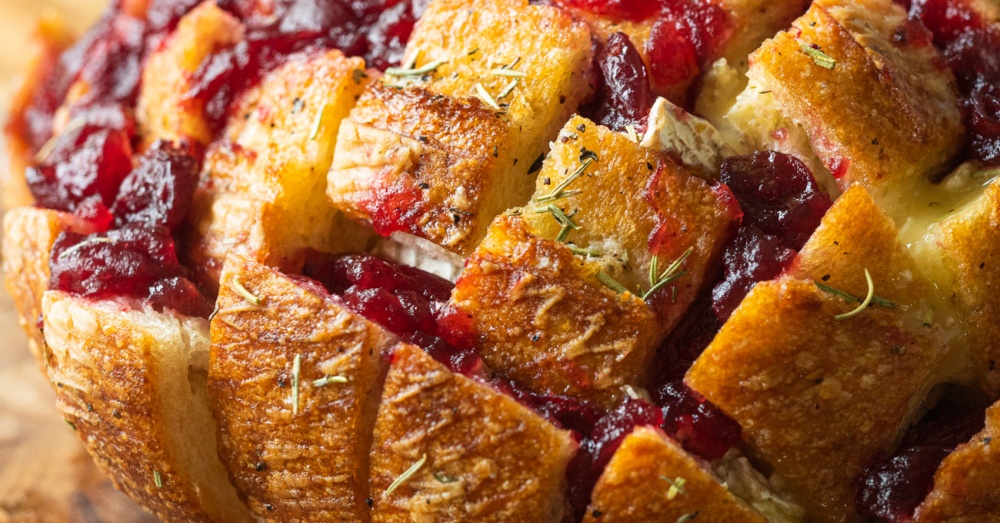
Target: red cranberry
column 892, row 489
column 86, row 161
column 686, row 36
column 137, row 261
column 624, row 97
column 597, row 449
column 753, row 256
column 159, row 190
column 700, row 427
column 984, row 121
column 93, row 211
column 687, row 341
column 394, row 209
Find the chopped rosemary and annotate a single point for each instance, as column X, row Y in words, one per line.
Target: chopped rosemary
column 565, row 221
column 658, row 280
column 328, row 379
column 485, row 96
column 819, row 57
column 585, row 252
column 444, row 478
column 676, row 486
column 507, row 72
column 875, row 300
column 247, row 295
column 84, row 243
column 560, row 192
column 314, row 132
column 509, row 89
column 429, row 67
column 612, row 284
column 296, row 371
column 864, row 304
column 406, row 475
column 687, row 517
column 214, row 311
column 158, row 479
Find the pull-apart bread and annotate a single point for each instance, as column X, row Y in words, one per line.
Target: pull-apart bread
column 510, row 260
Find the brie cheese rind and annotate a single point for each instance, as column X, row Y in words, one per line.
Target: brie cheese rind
column 440, row 149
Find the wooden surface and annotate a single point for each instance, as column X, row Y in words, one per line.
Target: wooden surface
column 45, row 473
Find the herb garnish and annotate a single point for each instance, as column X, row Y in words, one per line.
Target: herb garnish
column 585, row 252
column 485, row 96
column 507, row 72
column 669, row 275
column 869, row 299
column 560, row 192
column 247, row 295
column 326, row 380
column 819, row 57
column 676, row 487
column 565, row 221
column 316, row 123
column 158, row 479
column 612, row 284
column 406, row 475
column 687, row 517
column 427, row 68
column 508, row 90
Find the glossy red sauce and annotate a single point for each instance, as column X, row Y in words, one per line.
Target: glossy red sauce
column 892, row 488
column 624, row 97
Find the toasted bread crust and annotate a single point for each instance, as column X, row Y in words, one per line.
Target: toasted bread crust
column 432, row 155
column 164, row 111
column 488, row 458
column 262, row 192
column 306, row 461
column 119, row 374
column 809, row 390
column 28, row 236
column 883, row 113
column 636, row 486
column 542, row 318
column 965, row 484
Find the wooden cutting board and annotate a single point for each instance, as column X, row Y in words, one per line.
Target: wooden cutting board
column 46, row 474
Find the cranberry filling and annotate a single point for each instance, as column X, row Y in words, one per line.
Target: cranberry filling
column 624, row 97
column 782, row 206
column 600, row 445
column 971, row 49
column 137, row 261
column 159, row 190
column 892, row 489
column 377, row 30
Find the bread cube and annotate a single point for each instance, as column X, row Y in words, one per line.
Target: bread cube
column 131, row 382
column 818, row 395
column 293, row 382
column 651, row 478
column 448, row 448
column 632, row 206
column 541, row 316
column 28, row 236
column 439, row 150
column 262, row 192
column 163, row 111
column 840, row 92
column 965, row 483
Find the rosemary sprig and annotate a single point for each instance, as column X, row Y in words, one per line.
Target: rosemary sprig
column 507, row 72
column 326, row 380
column 560, row 191
column 611, row 283
column 864, row 304
column 687, row 517
column 314, row 131
column 485, row 96
column 819, row 57
column 406, row 475
column 565, row 221
column 158, row 479
column 676, row 486
column 296, row 372
column 247, row 295
column 875, row 300
column 579, row 251
column 429, row 67
column 658, row 280
column 509, row 89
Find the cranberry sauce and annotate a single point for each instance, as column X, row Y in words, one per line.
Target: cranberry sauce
column 376, row 30
column 159, row 190
column 600, row 445
column 137, row 260
column 624, row 97
column 891, row 489
column 971, row 48
column 782, row 206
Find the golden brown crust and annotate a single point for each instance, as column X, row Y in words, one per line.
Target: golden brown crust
column 163, row 111
column 51, row 38
column 636, row 486
column 810, row 391
column 262, row 192
column 427, row 154
column 28, row 235
column 965, row 484
column 884, row 112
column 969, row 243
column 627, row 197
column 541, row 317
column 488, row 458
column 126, row 381
column 293, row 454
